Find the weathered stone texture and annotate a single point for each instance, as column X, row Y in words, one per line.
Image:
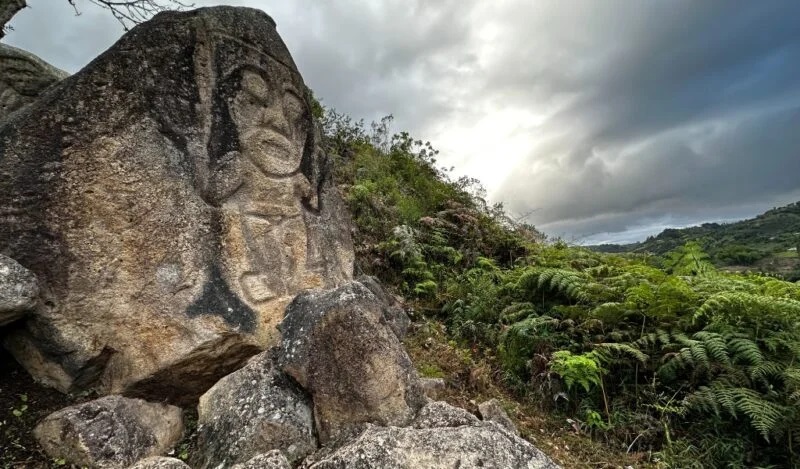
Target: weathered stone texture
column 172, row 197
column 492, row 411
column 439, row 414
column 19, row 290
column 338, row 346
column 433, row 387
column 465, row 447
column 272, row 460
column 160, row 462
column 110, row 432
column 252, row 411
column 23, row 78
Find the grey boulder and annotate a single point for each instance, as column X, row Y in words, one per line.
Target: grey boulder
column 338, row 345
column 439, row 414
column 433, row 387
column 251, row 411
column 393, row 312
column 110, row 432
column 483, row 445
column 18, row 290
column 271, row 460
column 492, row 411
column 160, row 462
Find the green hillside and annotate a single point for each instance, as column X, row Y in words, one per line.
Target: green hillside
column 767, row 243
column 603, row 360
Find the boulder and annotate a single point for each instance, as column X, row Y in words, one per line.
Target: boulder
column 483, row 445
column 439, row 414
column 338, row 346
column 393, row 311
column 19, row 290
column 492, row 411
column 110, row 432
column 272, row 460
column 433, row 387
column 172, row 198
column 23, row 78
column 160, row 462
column 251, row 411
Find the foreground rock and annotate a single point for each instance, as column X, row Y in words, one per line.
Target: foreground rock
column 160, row 462
column 433, row 388
column 492, row 411
column 485, row 445
column 18, row 290
column 172, row 197
column 272, row 460
column 338, row 345
column 23, row 77
column 252, row 411
column 393, row 312
column 110, row 432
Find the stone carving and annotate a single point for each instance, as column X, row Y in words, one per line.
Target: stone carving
column 23, row 77
column 172, row 198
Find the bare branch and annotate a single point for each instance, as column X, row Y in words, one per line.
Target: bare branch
column 132, row 12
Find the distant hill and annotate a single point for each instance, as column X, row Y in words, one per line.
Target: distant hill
column 767, row 243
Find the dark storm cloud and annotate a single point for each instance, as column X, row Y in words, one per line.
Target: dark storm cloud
column 691, row 110
column 603, row 116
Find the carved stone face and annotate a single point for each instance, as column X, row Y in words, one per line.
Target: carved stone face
column 272, row 122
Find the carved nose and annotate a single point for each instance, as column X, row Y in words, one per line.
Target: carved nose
column 275, row 118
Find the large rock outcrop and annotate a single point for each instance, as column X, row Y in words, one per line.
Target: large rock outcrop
column 172, row 197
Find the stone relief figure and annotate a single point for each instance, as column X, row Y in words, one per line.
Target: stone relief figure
column 261, row 154
column 173, row 198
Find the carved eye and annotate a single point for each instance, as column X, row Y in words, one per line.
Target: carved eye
column 294, row 106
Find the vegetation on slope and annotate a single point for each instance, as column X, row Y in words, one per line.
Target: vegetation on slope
column 664, row 356
column 767, row 243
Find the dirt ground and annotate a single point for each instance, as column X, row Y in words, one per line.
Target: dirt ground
column 23, row 403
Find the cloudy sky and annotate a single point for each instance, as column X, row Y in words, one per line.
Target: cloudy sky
column 601, row 120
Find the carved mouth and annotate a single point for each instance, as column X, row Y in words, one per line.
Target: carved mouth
column 272, row 143
column 271, row 151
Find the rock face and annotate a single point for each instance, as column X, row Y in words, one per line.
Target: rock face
column 19, row 290
column 338, row 345
column 172, row 197
column 251, row 411
column 110, row 432
column 23, row 77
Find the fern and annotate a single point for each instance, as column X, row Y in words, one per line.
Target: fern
column 764, row 415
